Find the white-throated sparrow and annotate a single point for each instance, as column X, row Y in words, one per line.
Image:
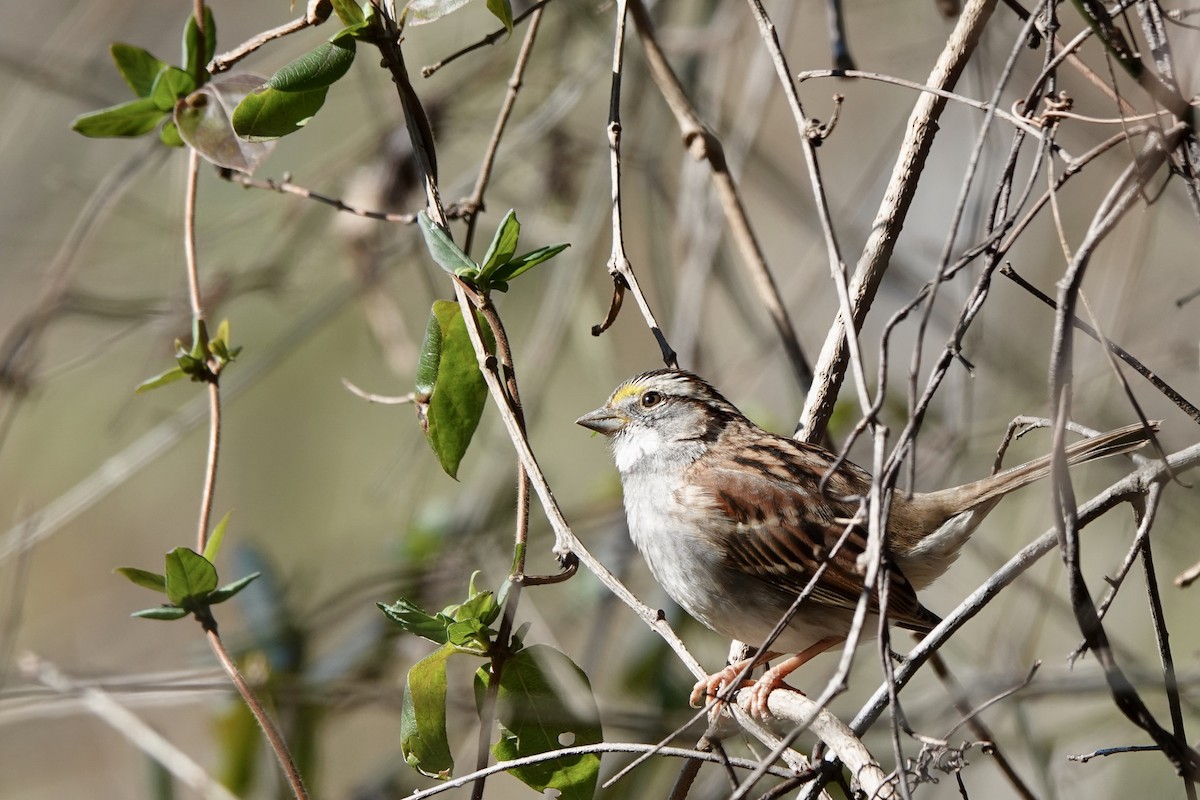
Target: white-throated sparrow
column 733, row 521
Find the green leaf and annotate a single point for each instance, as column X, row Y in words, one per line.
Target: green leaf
column 522, row 264
column 161, row 379
column 503, row 245
column 445, row 252
column 317, row 69
column 230, row 589
column 137, row 66
column 423, row 737
column 459, row 392
column 205, row 122
column 349, row 12
column 170, row 85
column 502, row 10
column 194, row 61
column 162, row 612
column 189, row 576
column 169, row 135
column 133, row 118
column 268, row 113
column 545, row 703
column 215, row 538
column 144, row 578
column 423, row 11
column 412, row 618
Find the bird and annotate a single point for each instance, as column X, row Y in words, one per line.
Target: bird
column 734, row 521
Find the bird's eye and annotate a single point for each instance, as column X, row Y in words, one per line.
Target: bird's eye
column 651, row 399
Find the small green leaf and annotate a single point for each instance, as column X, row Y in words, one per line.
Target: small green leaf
column 349, row 12
column 445, row 252
column 215, row 538
column 230, row 589
column 423, row 738
column 422, row 11
column 170, row 85
column 169, row 135
column 503, row 245
column 161, row 379
column 268, row 114
column 412, row 618
column 545, row 702
column 522, row 264
column 144, row 578
column 162, row 612
column 189, row 576
column 195, row 62
column 137, row 66
column 470, row 636
column 459, row 393
column 317, row 69
column 502, row 10
column 135, row 118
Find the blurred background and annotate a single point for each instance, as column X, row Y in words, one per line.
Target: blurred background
column 340, row 502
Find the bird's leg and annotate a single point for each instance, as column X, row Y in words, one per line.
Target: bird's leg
column 772, row 679
column 715, row 683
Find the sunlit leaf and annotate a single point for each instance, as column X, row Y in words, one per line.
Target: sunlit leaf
column 162, row 612
column 545, row 703
column 169, row 134
column 445, row 252
column 161, row 379
column 421, row 12
column 137, row 66
column 134, row 118
column 522, row 264
column 194, row 61
column 144, row 578
column 170, row 85
column 227, row 591
column 189, row 575
column 423, row 739
column 349, row 12
column 213, row 546
column 503, row 245
column 269, row 113
column 412, row 618
column 502, row 10
column 459, row 392
column 316, row 69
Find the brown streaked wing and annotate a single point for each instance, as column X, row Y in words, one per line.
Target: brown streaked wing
column 779, row 531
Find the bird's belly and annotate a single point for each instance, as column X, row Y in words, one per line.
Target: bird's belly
column 686, row 566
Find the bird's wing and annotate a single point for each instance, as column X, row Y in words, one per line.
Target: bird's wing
column 778, row 528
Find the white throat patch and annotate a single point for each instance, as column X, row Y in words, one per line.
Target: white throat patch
column 631, row 446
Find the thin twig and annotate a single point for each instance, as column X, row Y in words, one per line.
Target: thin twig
column 285, row 186
column 382, row 399
column 922, row 126
column 810, row 429
column 489, row 39
column 224, row 61
column 474, row 204
column 143, row 736
column 619, row 268
column 704, row 145
column 274, row 737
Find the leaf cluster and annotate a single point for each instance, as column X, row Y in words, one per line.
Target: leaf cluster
column 203, row 362
column 189, row 581
column 542, row 697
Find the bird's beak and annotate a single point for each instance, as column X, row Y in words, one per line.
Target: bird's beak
column 604, row 420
